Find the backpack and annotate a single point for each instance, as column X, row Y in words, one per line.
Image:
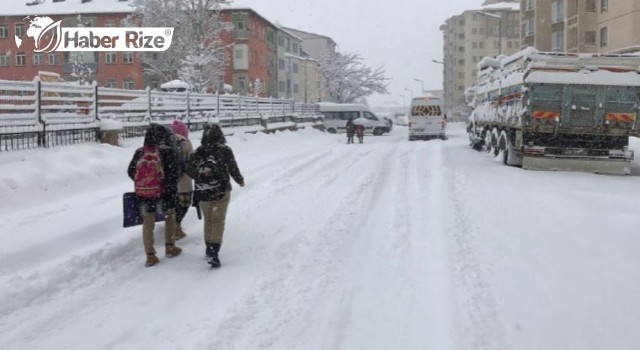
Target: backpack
column 210, row 179
column 149, row 174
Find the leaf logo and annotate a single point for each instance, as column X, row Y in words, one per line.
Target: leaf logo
column 38, row 28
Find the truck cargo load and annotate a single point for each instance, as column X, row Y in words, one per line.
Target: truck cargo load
column 555, row 111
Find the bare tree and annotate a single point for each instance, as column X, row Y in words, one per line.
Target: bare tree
column 197, row 54
column 348, row 79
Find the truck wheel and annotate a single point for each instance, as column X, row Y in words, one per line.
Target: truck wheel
column 331, row 131
column 487, row 141
column 377, row 131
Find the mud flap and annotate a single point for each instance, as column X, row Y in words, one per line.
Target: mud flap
column 598, row 166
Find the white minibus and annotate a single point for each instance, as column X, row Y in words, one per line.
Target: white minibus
column 426, row 119
column 336, row 116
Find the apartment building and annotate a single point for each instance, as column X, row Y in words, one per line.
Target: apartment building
column 581, row 25
column 490, row 31
column 252, row 47
column 316, row 47
column 289, row 62
column 112, row 69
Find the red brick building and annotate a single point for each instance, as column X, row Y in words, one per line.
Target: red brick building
column 251, row 45
column 113, row 69
column 251, row 51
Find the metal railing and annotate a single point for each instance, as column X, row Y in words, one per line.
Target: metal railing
column 44, row 114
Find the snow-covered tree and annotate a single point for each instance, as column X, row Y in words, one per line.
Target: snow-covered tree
column 197, row 54
column 347, row 79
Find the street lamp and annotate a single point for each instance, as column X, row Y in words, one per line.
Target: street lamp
column 421, row 84
column 499, row 18
column 438, row 62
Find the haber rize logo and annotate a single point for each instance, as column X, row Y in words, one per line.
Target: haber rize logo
column 49, row 36
column 38, row 27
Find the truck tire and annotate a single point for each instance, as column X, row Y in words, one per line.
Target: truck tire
column 378, row 131
column 331, row 131
column 509, row 155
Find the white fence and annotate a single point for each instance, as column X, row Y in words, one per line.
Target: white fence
column 43, row 114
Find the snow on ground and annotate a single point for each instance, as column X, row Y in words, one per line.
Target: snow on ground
column 386, row 245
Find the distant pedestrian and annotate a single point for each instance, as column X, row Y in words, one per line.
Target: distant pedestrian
column 351, row 129
column 154, row 170
column 211, row 166
column 185, row 184
column 359, row 128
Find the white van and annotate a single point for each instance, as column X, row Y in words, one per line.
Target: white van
column 426, row 119
column 336, row 116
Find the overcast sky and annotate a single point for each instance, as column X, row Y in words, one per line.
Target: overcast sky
column 402, row 35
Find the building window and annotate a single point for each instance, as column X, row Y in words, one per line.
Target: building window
column 110, row 23
column 295, row 48
column 21, row 59
column 591, row 6
column 557, row 11
column 296, row 89
column 239, row 54
column 604, row 5
column 481, row 45
column 280, row 64
column 4, row 31
column 281, row 86
column 604, row 36
column 280, row 40
column 242, row 84
column 557, row 41
column 4, row 60
column 128, row 84
column 112, row 83
column 53, row 59
column 110, row 58
column 38, row 59
column 20, row 30
column 474, row 31
column 530, row 4
column 127, row 57
column 295, row 68
column 590, row 37
column 529, row 27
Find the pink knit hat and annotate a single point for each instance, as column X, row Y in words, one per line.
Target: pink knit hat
column 180, row 128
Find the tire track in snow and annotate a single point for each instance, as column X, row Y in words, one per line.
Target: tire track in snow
column 485, row 329
column 269, row 312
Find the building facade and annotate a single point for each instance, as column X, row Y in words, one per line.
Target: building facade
column 315, row 47
column 112, row 69
column 581, row 25
column 491, row 31
column 289, row 61
column 252, row 53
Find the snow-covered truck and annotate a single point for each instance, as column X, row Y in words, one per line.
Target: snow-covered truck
column 557, row 111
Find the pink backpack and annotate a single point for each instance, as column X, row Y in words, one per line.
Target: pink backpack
column 149, row 173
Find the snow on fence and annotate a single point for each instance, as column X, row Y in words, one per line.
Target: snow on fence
column 30, row 111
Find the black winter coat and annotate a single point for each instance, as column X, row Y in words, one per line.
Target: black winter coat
column 223, row 155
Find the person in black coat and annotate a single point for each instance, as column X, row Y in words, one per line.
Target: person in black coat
column 154, row 140
column 351, row 129
column 212, row 166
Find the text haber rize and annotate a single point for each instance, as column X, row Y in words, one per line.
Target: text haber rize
column 132, row 40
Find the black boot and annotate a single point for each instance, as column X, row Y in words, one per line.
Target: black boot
column 212, row 254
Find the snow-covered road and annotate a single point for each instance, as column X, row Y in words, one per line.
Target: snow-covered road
column 384, row 245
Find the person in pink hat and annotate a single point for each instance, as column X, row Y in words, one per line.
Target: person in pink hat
column 185, row 185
